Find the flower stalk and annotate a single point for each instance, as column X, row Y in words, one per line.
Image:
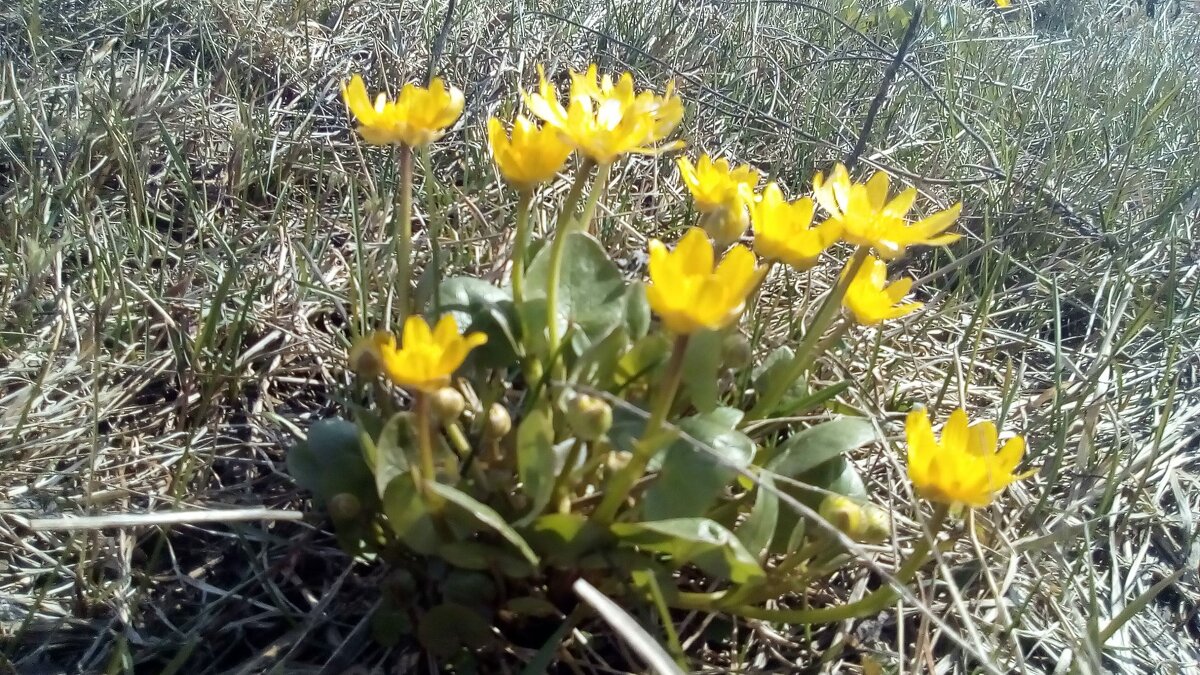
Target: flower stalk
column 653, row 438
column 520, row 245
column 872, row 603
column 402, row 230
column 807, row 352
column 557, row 247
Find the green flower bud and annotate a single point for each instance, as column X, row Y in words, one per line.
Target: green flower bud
column 399, row 585
column 344, row 507
column 498, row 422
column 735, row 351
column 590, row 417
column 843, row 513
column 447, row 404
column 876, row 525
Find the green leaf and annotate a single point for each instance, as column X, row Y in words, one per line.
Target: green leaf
column 597, row 364
column 389, row 455
column 331, row 461
column 700, row 541
column 697, row 466
column 637, row 310
column 536, row 460
column 645, row 355
column 563, row 537
column 758, row 529
column 591, row 287
column 837, row 475
column 819, row 444
column 390, row 624
column 408, row 517
column 479, row 306
column 773, row 369
column 449, row 628
column 485, row 515
column 529, row 605
column 476, row 555
column 701, row 365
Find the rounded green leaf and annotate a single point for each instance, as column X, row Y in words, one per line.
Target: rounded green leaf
column 700, row 541
column 591, row 288
column 449, row 628
column 486, row 516
column 697, row 466
column 536, row 460
column 331, row 461
column 701, row 366
column 481, row 307
column 819, row 444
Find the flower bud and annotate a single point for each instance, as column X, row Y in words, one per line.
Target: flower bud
column 498, row 423
column 843, row 513
column 726, row 226
column 876, row 525
column 344, row 507
column 447, row 404
column 735, row 351
column 589, row 417
column 365, row 357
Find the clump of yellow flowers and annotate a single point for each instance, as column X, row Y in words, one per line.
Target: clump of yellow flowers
column 502, row 430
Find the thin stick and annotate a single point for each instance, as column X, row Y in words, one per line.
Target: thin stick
column 889, row 75
column 160, row 518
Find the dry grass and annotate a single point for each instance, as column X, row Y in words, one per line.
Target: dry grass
column 182, row 207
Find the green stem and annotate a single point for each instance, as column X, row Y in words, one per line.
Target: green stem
column 436, row 216
column 562, row 484
column 428, row 470
column 806, row 353
column 872, row 603
column 651, row 441
column 520, row 244
column 402, row 230
column 593, row 198
column 557, row 247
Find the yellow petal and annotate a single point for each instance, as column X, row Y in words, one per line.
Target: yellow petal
column 694, row 252
column 357, row 100
column 877, row 190
column 954, row 434
column 982, row 439
column 416, row 332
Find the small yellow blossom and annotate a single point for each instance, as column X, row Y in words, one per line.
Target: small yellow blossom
column 689, row 293
column 606, row 119
column 426, row 358
column 531, row 155
column 784, row 231
column 722, row 193
column 419, row 116
column 1003, row 3
column 871, row 299
column 868, row 218
column 964, row 467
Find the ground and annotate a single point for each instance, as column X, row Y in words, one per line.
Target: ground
column 183, row 204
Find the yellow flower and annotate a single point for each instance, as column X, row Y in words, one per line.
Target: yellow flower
column 722, row 193
column 871, row 299
column 868, row 218
column 426, row 358
column 783, row 230
column 1003, row 3
column 606, row 119
column 531, row 156
column 419, row 116
column 689, row 293
column 964, row 467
